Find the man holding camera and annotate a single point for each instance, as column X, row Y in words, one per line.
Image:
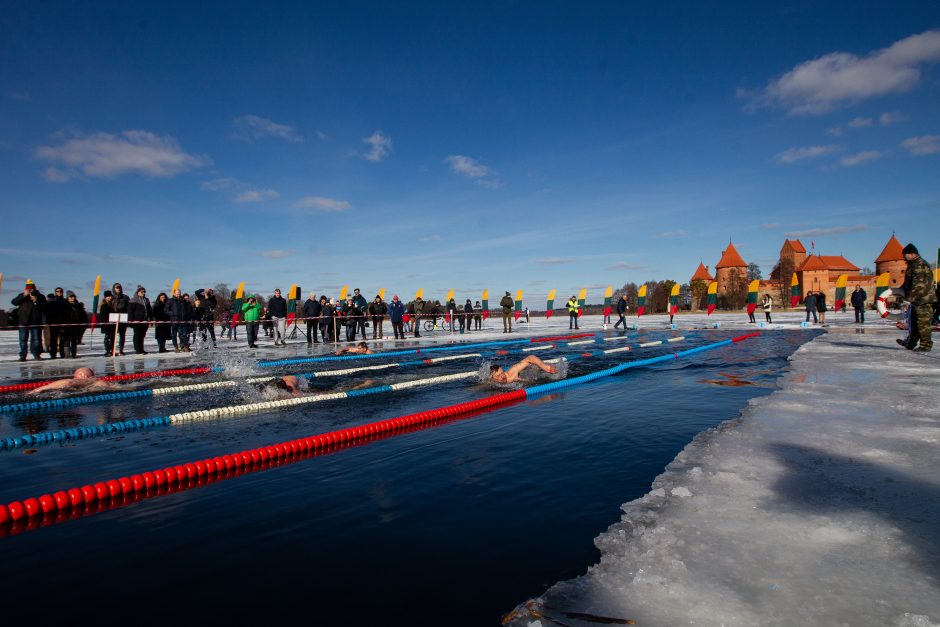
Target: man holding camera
column 252, row 313
column 29, row 310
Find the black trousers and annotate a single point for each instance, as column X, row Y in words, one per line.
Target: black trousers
column 376, row 328
column 312, row 331
column 57, row 342
column 399, row 329
column 767, row 316
column 140, row 331
column 122, row 331
column 859, row 315
column 573, row 321
column 351, row 326
column 252, row 330
column 621, row 320
column 811, row 311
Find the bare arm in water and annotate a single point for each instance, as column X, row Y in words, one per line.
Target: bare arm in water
column 512, row 374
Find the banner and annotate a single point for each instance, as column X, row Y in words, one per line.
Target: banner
column 582, row 296
column 752, row 289
column 381, row 293
column 550, row 305
column 794, row 290
column 840, row 291
column 608, row 300
column 518, row 305
column 641, row 301
column 882, row 284
column 712, row 296
column 293, row 296
column 176, row 286
column 486, row 304
column 94, row 302
column 450, row 294
column 237, row 304
column 674, row 300
column 343, row 293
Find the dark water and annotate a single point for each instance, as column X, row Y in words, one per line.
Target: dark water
column 451, row 525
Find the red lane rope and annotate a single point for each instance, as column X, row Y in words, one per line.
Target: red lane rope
column 19, row 387
column 77, row 502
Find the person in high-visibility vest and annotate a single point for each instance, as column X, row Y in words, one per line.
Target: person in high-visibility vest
column 572, row 306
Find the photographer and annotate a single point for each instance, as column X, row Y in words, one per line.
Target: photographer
column 29, row 313
column 252, row 312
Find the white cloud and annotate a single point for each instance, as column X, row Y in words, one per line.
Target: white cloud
column 770, row 226
column 623, row 265
column 833, row 230
column 105, row 155
column 891, row 117
column 835, row 131
column 859, row 158
column 381, row 146
column 840, row 78
column 276, row 254
column 256, row 195
column 860, row 122
column 923, row 145
column 430, row 238
column 55, row 175
column 319, row 203
column 218, row 185
column 253, row 127
column 473, row 170
column 555, row 261
column 676, row 233
column 792, row 155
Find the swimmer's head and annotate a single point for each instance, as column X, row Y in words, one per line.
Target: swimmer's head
column 363, row 345
column 494, row 369
column 83, row 373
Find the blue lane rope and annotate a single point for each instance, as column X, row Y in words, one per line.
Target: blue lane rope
column 413, row 351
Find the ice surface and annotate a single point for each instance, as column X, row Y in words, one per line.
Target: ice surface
column 820, row 505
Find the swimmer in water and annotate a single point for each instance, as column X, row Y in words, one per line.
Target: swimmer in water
column 287, row 383
column 359, row 349
column 82, row 379
column 510, row 375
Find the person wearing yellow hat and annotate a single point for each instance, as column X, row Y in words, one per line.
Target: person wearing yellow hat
column 29, row 315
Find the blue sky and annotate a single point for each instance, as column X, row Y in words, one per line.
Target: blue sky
column 500, row 145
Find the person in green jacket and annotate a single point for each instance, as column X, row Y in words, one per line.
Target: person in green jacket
column 506, row 303
column 919, row 290
column 572, row 306
column 252, row 311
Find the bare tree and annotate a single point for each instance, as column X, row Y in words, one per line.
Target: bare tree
column 753, row 272
column 699, row 289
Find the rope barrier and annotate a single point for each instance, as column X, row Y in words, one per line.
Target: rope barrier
column 78, row 501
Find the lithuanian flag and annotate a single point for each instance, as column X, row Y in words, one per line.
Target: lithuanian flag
column 752, row 290
column 674, row 300
column 94, row 302
column 712, row 296
column 582, row 296
column 840, row 291
column 486, row 304
column 641, row 301
column 882, row 284
column 237, row 304
column 293, row 295
column 550, row 305
column 608, row 299
column 518, row 305
column 794, row 290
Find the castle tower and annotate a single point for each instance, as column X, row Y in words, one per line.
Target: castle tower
column 792, row 255
column 702, row 273
column 891, row 260
column 730, row 271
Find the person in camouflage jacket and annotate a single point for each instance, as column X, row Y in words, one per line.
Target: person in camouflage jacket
column 920, row 291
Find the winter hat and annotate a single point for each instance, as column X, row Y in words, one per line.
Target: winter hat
column 108, row 293
column 910, row 249
column 141, row 287
column 29, row 282
column 507, row 293
column 70, row 294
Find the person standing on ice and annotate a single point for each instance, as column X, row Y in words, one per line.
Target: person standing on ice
column 859, row 296
column 29, row 312
column 120, row 304
column 252, row 311
column 810, row 302
column 478, row 317
column 506, row 304
column 468, row 314
column 277, row 307
column 139, row 314
column 621, row 312
column 377, row 311
column 919, row 290
column 396, row 315
column 767, row 303
column 572, row 306
column 821, row 306
column 419, row 311
column 360, row 301
column 311, row 312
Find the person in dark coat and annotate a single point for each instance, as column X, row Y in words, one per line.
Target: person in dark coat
column 175, row 309
column 396, row 315
column 189, row 322
column 29, row 316
column 468, row 314
column 351, row 317
column 277, row 310
column 327, row 311
column 139, row 314
column 210, row 304
column 204, row 320
column 809, row 301
column 821, row 306
column 120, row 304
column 54, row 312
column 311, row 313
column 859, row 296
column 622, row 312
column 107, row 329
column 75, row 318
column 161, row 332
column 477, row 316
column 363, row 307
column 418, row 305
column 377, row 311
column 452, row 313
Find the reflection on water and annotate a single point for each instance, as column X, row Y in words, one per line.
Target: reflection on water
column 448, row 525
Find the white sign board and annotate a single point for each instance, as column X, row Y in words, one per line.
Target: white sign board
column 117, row 317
